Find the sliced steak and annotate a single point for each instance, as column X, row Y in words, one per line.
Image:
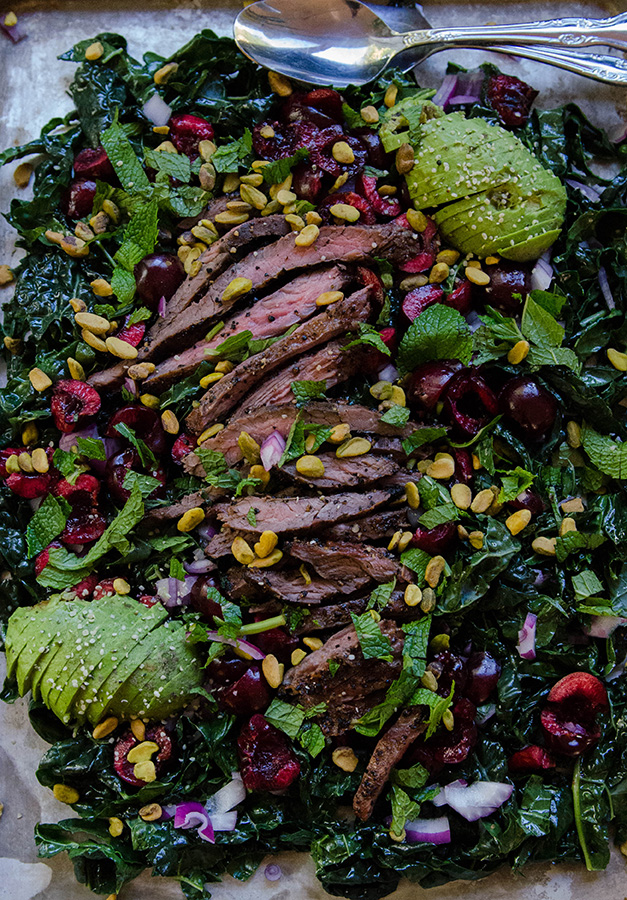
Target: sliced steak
column 389, row 751
column 345, row 563
column 346, row 473
column 334, row 244
column 297, row 514
column 334, row 615
column 293, row 303
column 261, row 422
column 163, row 515
column 333, row 364
column 355, row 684
column 220, row 544
column 336, row 321
column 288, row 586
column 221, row 255
column 375, row 527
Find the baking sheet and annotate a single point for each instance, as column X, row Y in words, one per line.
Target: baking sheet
column 32, row 86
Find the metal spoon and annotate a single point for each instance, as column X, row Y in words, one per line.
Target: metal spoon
column 343, row 42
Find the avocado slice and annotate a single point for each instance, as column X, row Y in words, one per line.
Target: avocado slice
column 133, row 621
column 24, row 629
column 404, row 115
column 43, row 671
column 73, row 677
column 117, row 681
column 31, row 641
column 529, row 250
column 492, row 192
column 33, row 654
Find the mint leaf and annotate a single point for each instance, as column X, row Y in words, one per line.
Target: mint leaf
column 304, row 391
column 231, row 617
column 439, row 515
column 586, row 584
column 553, row 356
column 91, row 448
column 422, row 436
column 608, row 455
column 416, row 560
column 370, row 337
column 146, row 483
column 437, row 333
column 413, row 778
column 552, row 303
column 251, row 516
column 176, row 569
column 311, row 739
column 353, row 117
column 403, row 809
column 176, row 165
column 146, row 455
column 334, row 665
column 514, row 483
column 46, row 524
column 229, row 157
column 396, row 696
column 539, row 326
column 382, row 595
column 233, row 348
column 139, row 315
column 574, row 541
column 123, row 284
column 69, row 464
column 285, row 717
column 495, row 337
column 277, row 171
column 432, row 492
column 374, row 644
column 127, row 167
column 396, row 415
column 140, row 236
column 416, row 645
column 437, row 706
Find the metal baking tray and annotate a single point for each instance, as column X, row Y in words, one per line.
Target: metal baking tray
column 32, row 89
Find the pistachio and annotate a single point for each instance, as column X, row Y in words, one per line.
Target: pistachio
column 313, row 643
column 138, row 729
column 427, row 604
column 297, row 657
column 249, row 447
column 405, row 160
column 439, row 273
column 190, row 519
column 307, row 236
column 482, row 501
column 121, row 349
column 272, row 670
column 95, row 324
column 329, row 297
column 264, row 563
column 434, row 570
column 617, row 359
column 105, row 728
column 210, row 432
column 279, row 84
column 381, row 390
column 65, row 794
column 93, row 340
column 518, row 353
column 567, row 524
column 150, row 401
column 210, row 379
column 267, row 132
column 413, row 494
column 145, row 771
column 39, row 380
column 170, row 422
column 572, row 506
column 390, row 95
column 412, row 595
column 13, row 345
column 404, row 541
column 74, row 247
column 310, row 466
column 573, row 435
column 142, row 752
column 141, row 370
column 417, row 220
column 207, row 176
column 339, row 433
column 230, row 218
column 343, row 153
column 475, row 539
column 296, row 223
column 101, row 288
column 449, row 257
column 241, row 551
column 150, row 813
column 518, row 521
column 429, row 681
column 260, row 473
column 544, row 546
column 40, row 461
column 313, row 218
column 22, row 175
column 266, row 544
column 77, row 372
column 30, row 434
column 344, row 758
column 163, row 75
column 370, row 115
column 236, row 288
column 25, row 463
column 461, row 495
column 477, row 276
column 344, row 211
column 252, row 195
column 94, row 51
column 442, row 468
column 356, row 446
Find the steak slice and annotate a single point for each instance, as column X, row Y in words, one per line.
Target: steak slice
column 389, row 751
column 222, row 254
column 332, row 364
column 351, row 243
column 297, row 514
column 375, row 527
column 261, row 422
column 334, row 615
column 346, row 473
column 293, row 303
column 163, row 515
column 288, row 586
column 343, row 564
column 354, row 686
column 336, row 321
column 220, row 544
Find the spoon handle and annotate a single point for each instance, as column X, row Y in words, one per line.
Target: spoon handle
column 571, row 32
column 598, row 66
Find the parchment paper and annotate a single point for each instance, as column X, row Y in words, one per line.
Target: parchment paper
column 32, row 87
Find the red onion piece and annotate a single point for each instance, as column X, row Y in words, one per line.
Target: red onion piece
column 460, row 99
column 388, row 373
column 67, row 441
column 478, row 800
column 198, row 566
column 243, row 646
column 604, row 626
column 190, row 815
column 606, row 289
column 272, row 450
column 161, row 307
column 589, row 192
column 131, row 386
column 224, row 821
column 173, row 592
column 12, row 32
column 542, row 273
column 206, row 531
column 428, row 831
column 527, row 638
column 227, row 797
column 157, row 110
column 445, row 91
column 272, row 872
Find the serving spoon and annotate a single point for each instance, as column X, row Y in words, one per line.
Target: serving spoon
column 344, row 42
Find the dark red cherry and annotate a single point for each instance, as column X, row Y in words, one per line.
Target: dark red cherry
column 78, row 200
column 375, row 149
column 530, row 760
column 528, row 408
column 249, row 694
column 427, row 382
column 145, row 423
column 416, row 301
column 118, row 467
column 482, row 675
column 71, row 402
column 281, row 143
column 511, row 98
column 434, row 540
column 463, row 466
column 187, row 131
column 158, row 275
column 469, row 402
column 125, row 769
column 306, row 182
column 200, row 599
column 327, row 101
column 276, row 641
column 89, row 163
column 509, row 285
column 267, row 760
column 383, row 206
column 530, row 500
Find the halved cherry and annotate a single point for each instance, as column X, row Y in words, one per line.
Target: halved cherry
column 267, row 760
column 71, row 402
column 187, row 131
column 530, row 760
column 367, row 186
column 125, row 769
column 145, row 423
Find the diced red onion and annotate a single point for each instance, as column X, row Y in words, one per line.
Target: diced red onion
column 206, row 531
column 542, row 273
column 460, row 99
column 190, row 815
column 243, row 646
column 273, row 872
column 224, row 821
column 131, row 386
column 428, row 831
column 606, row 289
column 604, row 626
column 173, row 592
column 478, row 800
column 157, row 110
column 272, row 450
column 161, row 307
column 199, row 566
column 12, row 32
column 589, row 192
column 445, row 91
column 527, row 638
column 388, row 373
column 227, row 797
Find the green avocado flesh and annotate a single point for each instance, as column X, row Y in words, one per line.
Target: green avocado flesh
column 490, row 194
column 112, row 656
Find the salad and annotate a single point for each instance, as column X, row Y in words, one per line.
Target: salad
column 312, row 483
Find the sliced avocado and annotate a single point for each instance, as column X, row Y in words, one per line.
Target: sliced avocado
column 74, row 675
column 118, row 679
column 531, row 249
column 32, row 655
column 32, row 650
column 42, row 671
column 499, row 189
column 130, row 623
column 21, row 631
column 406, row 114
